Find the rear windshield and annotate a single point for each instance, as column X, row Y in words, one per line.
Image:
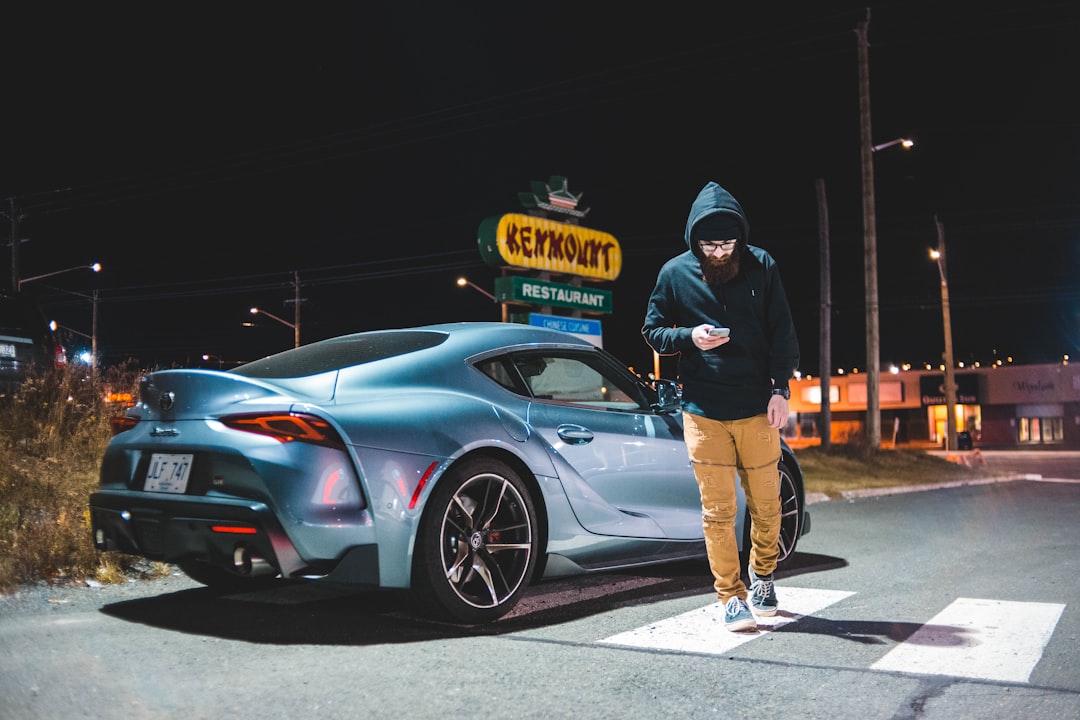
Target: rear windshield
column 342, row 352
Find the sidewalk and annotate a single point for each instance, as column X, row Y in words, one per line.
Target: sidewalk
column 1000, row 466
column 1049, row 463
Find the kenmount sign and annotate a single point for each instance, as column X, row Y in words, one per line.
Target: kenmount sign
column 539, row 242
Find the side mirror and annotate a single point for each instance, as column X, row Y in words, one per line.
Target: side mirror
column 668, row 396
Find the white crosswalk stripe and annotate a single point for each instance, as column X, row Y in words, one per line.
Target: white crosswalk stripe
column 971, row 638
column 985, row 639
column 702, row 630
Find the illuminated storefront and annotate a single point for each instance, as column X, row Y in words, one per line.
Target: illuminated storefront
column 999, row 406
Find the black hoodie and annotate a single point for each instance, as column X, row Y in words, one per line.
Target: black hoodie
column 735, row 380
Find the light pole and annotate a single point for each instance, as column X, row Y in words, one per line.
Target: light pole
column 294, row 326
column 938, row 254
column 466, row 282
column 906, row 143
column 868, row 148
column 873, row 338
column 94, row 267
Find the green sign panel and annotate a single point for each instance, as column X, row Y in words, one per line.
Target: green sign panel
column 517, row 289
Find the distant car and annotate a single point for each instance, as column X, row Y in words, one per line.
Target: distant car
column 462, row 461
column 26, row 341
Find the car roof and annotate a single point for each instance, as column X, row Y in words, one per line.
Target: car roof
column 436, row 344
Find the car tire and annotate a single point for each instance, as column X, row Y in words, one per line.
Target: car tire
column 791, row 515
column 221, row 579
column 476, row 546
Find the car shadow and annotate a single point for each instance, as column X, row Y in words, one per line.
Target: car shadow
column 316, row 613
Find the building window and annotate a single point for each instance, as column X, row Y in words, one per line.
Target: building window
column 968, row 419
column 1041, row 430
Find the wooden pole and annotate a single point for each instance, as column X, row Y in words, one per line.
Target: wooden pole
column 825, row 318
column 950, row 364
column 873, row 343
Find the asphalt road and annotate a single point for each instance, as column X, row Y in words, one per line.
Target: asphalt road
column 957, row 602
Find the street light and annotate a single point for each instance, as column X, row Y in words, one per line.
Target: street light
column 938, row 255
column 870, row 260
column 464, row 281
column 294, row 326
column 873, row 338
column 906, row 143
column 95, row 267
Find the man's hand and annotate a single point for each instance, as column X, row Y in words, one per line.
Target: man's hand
column 778, row 411
column 703, row 340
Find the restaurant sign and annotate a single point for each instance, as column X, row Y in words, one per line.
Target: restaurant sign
column 518, row 289
column 932, row 389
column 536, row 243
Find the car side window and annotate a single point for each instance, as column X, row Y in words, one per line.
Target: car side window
column 503, row 372
column 581, row 381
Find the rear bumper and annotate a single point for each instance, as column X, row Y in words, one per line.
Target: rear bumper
column 172, row 529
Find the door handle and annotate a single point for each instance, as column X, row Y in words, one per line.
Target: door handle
column 575, row 434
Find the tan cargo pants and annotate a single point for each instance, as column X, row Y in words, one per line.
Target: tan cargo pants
column 718, row 450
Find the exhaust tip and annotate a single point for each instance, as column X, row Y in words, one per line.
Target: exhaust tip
column 247, row 564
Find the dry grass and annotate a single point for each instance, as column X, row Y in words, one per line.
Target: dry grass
column 53, row 433
column 856, row 467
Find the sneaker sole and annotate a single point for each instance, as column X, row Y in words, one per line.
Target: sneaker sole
column 740, row 625
column 760, row 612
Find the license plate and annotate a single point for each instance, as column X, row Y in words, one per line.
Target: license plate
column 7, row 350
column 168, row 472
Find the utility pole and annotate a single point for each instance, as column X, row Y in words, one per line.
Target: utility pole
column 825, row 317
column 296, row 310
column 950, row 365
column 13, row 215
column 873, row 343
column 93, row 337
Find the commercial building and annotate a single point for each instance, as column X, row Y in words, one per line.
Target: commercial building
column 1000, row 406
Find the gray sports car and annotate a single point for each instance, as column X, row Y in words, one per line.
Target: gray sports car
column 462, row 461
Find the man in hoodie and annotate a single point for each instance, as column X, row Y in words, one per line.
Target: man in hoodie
column 722, row 308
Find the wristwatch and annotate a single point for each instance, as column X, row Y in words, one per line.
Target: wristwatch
column 784, row 392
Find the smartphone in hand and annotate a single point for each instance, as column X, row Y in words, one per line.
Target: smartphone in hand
column 720, row 332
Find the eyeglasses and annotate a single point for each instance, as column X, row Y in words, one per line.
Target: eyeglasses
column 710, row 247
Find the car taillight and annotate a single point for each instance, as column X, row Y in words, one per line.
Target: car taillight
column 288, row 427
column 122, row 423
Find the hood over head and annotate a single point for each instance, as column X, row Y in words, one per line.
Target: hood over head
column 715, row 215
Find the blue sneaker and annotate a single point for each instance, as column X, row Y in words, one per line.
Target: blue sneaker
column 762, row 595
column 737, row 616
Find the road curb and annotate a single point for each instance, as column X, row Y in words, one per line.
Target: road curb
column 812, row 498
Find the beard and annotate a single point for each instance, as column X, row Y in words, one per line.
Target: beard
column 718, row 271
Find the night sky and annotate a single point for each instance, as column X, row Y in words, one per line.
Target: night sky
column 207, row 152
